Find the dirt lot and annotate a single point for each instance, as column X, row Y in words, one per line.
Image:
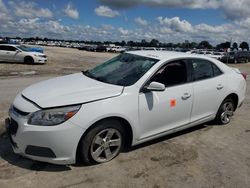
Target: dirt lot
column 60, row 61
column 204, row 156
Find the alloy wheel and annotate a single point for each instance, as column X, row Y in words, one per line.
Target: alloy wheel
column 227, row 113
column 106, row 145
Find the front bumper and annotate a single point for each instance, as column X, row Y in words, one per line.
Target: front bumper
column 52, row 144
column 40, row 60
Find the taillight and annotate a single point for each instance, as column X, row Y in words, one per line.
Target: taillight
column 244, row 75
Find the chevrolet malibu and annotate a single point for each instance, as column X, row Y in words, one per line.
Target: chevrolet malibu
column 20, row 54
column 130, row 99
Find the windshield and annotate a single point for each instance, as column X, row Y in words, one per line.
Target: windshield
column 24, row 48
column 123, row 70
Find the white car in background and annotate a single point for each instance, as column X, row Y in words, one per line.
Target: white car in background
column 133, row 98
column 20, row 54
column 117, row 49
column 217, row 55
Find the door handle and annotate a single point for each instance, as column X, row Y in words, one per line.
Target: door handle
column 7, row 52
column 186, row 96
column 219, row 87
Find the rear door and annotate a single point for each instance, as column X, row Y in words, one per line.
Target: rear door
column 208, row 84
column 161, row 111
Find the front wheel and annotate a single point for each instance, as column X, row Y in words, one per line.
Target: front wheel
column 28, row 60
column 103, row 142
column 225, row 112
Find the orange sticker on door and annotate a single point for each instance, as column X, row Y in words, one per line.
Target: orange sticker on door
column 172, row 102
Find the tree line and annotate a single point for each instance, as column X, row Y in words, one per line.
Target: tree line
column 152, row 43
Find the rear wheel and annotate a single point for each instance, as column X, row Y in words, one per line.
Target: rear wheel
column 28, row 60
column 225, row 112
column 103, row 142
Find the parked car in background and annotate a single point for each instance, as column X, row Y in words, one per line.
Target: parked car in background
column 242, row 57
column 20, row 54
column 133, row 98
column 217, row 55
column 101, row 49
column 117, row 49
column 91, row 48
column 228, row 58
column 236, row 57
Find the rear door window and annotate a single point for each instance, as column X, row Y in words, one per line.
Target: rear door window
column 203, row 69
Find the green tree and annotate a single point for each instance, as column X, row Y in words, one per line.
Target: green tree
column 123, row 43
column 224, row 45
column 205, row 45
column 154, row 43
column 235, row 45
column 193, row 45
column 244, row 46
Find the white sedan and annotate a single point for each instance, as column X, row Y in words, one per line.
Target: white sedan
column 20, row 54
column 130, row 99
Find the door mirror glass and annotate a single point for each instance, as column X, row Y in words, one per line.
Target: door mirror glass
column 155, row 86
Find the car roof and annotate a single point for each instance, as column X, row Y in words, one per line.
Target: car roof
column 167, row 55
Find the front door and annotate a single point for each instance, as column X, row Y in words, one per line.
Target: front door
column 162, row 111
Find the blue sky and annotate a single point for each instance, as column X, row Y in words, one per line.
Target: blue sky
column 165, row 20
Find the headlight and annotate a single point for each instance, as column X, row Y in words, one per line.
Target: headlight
column 39, row 55
column 53, row 116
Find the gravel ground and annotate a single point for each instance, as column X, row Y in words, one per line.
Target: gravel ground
column 204, row 156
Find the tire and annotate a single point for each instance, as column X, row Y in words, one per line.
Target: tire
column 102, row 143
column 225, row 112
column 28, row 60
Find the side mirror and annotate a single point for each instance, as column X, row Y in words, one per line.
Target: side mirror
column 155, row 86
column 18, row 51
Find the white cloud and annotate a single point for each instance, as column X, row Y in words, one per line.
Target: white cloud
column 231, row 9
column 244, row 23
column 71, row 12
column 29, row 10
column 141, row 21
column 123, row 31
column 236, row 10
column 26, row 19
column 176, row 24
column 4, row 13
column 2, row 7
column 106, row 12
column 107, row 27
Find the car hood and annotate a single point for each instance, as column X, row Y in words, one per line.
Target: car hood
column 69, row 90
